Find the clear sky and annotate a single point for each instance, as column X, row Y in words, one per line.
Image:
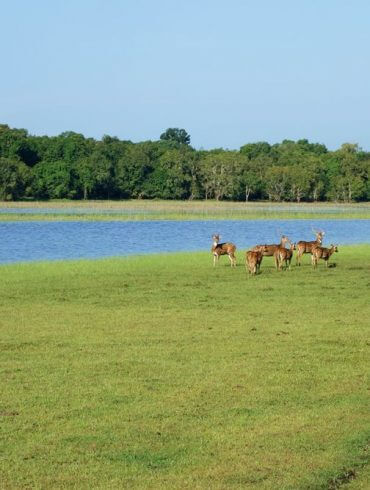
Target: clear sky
column 229, row 72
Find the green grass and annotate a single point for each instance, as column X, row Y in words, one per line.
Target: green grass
column 164, row 372
column 180, row 210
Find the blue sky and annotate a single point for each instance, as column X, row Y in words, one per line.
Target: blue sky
column 228, row 72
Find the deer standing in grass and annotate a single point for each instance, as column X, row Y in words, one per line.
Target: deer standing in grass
column 218, row 249
column 322, row 253
column 253, row 261
column 283, row 254
column 306, row 247
column 269, row 250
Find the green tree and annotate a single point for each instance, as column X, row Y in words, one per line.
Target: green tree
column 253, row 150
column 252, row 176
column 349, row 182
column 131, row 171
column 86, row 176
column 176, row 135
column 16, row 145
column 193, row 168
column 317, row 175
column 54, row 180
column 219, row 176
column 96, row 175
column 277, row 183
column 14, row 179
column 347, row 188
column 170, row 178
column 68, row 146
column 299, row 182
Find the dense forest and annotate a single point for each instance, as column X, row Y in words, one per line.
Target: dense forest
column 74, row 167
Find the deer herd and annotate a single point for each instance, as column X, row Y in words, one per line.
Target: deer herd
column 282, row 254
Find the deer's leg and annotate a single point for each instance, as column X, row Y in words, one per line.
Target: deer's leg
column 215, row 258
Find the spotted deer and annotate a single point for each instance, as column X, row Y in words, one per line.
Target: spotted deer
column 218, row 249
column 306, row 247
column 283, row 254
column 322, row 253
column 253, row 261
column 269, row 250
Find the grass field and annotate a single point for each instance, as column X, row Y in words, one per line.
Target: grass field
column 178, row 210
column 163, row 372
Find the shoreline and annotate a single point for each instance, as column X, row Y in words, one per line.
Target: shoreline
column 144, row 210
column 143, row 256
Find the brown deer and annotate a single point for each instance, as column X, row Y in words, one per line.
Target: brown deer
column 218, row 249
column 253, row 261
column 283, row 254
column 306, row 247
column 322, row 253
column 269, row 250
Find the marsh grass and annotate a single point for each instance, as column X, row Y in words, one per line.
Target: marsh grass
column 164, row 372
column 178, row 210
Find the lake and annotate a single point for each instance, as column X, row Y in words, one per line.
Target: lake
column 51, row 240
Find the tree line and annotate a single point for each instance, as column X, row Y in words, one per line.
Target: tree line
column 70, row 166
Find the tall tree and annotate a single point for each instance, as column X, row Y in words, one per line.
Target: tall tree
column 14, row 179
column 253, row 150
column 277, row 183
column 299, row 182
column 350, row 181
column 176, row 135
column 131, row 171
column 218, row 174
column 170, row 178
column 17, row 145
column 54, row 180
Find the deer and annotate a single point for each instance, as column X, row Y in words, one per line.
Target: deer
column 283, row 254
column 322, row 253
column 306, row 247
column 218, row 249
column 253, row 261
column 269, row 250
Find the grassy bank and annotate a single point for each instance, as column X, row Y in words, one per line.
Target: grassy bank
column 162, row 372
column 178, row 210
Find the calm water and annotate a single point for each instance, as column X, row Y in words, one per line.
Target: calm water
column 43, row 240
